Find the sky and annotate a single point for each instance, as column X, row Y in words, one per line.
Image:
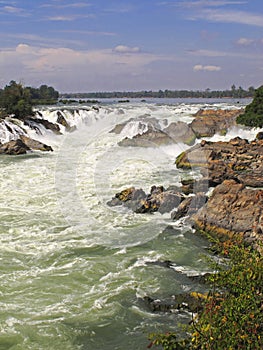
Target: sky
column 133, row 45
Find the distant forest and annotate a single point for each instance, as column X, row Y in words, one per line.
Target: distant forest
column 234, row 92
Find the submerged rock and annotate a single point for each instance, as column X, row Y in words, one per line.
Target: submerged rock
column 192, row 302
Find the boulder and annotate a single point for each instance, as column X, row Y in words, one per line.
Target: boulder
column 14, row 147
column 143, row 120
column 232, row 209
column 181, row 132
column 158, row 199
column 34, row 144
column 151, row 138
column 208, row 122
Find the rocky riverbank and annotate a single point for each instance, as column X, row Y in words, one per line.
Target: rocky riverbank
column 233, row 168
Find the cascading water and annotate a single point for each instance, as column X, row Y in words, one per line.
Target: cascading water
column 73, row 270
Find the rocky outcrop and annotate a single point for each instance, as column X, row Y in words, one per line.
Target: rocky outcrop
column 237, row 159
column 232, row 209
column 208, row 122
column 158, row 199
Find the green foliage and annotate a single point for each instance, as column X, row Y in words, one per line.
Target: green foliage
column 253, row 115
column 14, row 99
column 232, row 317
column 19, row 100
column 168, row 341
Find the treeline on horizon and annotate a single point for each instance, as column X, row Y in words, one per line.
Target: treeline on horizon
column 231, row 93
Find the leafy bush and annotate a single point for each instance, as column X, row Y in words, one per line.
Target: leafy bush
column 232, row 317
column 253, row 115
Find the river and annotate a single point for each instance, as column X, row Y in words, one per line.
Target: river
column 74, row 270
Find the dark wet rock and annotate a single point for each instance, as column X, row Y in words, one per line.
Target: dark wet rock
column 137, row 200
column 189, row 206
column 159, row 200
column 129, row 197
column 14, row 147
column 61, row 120
column 22, row 146
column 34, row 144
column 181, row 132
column 259, row 135
column 208, row 122
column 34, row 122
column 166, row 263
column 232, row 210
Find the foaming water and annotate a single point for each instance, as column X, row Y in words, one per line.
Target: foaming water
column 73, row 270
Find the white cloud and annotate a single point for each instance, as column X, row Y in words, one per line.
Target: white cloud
column 248, row 42
column 224, row 16
column 212, row 3
column 126, row 49
column 61, row 18
column 62, row 6
column 212, row 53
column 68, row 65
column 199, row 67
column 12, row 9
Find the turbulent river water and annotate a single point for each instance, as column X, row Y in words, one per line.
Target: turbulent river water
column 73, row 270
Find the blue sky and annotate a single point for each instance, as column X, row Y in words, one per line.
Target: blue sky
column 119, row 45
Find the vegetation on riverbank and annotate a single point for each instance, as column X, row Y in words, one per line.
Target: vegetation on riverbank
column 253, row 115
column 234, row 92
column 19, row 100
column 232, row 315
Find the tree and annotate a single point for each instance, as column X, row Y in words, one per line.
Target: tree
column 15, row 99
column 19, row 100
column 253, row 115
